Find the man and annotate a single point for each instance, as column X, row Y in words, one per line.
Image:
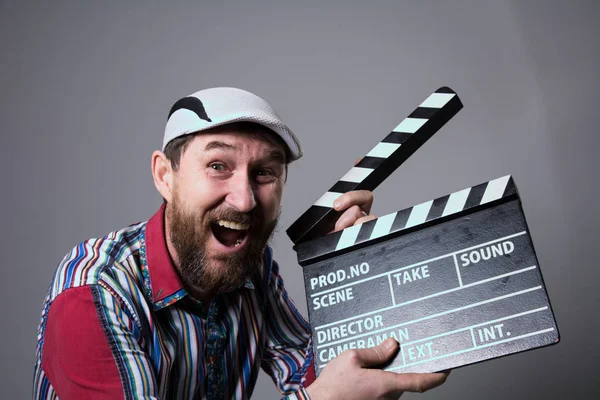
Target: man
column 190, row 303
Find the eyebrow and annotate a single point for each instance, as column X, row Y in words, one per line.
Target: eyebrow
column 276, row 155
column 217, row 144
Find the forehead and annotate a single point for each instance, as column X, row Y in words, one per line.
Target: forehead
column 239, row 138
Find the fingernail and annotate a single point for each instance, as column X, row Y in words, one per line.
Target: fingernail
column 389, row 344
column 337, row 204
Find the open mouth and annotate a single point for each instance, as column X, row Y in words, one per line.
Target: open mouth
column 230, row 233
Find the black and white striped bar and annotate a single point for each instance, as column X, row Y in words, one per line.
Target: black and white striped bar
column 455, row 281
column 380, row 162
column 410, row 218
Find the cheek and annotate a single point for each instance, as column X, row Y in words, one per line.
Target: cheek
column 200, row 194
column 270, row 199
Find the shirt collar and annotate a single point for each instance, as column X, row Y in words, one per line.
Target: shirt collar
column 162, row 283
column 160, row 276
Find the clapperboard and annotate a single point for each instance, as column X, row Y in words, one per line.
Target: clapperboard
column 455, row 280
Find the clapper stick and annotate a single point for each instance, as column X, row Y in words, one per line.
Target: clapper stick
column 388, row 226
column 380, row 162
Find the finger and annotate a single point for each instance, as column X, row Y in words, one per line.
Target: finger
column 377, row 355
column 348, row 218
column 361, row 198
column 352, row 216
column 365, row 218
column 419, row 382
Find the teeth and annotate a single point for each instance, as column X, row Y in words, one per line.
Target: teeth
column 233, row 225
column 237, row 243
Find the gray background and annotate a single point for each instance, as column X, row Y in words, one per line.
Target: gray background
column 86, row 90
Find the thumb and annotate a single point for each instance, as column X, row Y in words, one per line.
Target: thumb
column 377, row 355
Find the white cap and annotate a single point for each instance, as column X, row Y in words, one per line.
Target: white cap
column 213, row 107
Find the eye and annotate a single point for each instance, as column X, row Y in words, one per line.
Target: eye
column 265, row 175
column 217, row 166
column 264, row 172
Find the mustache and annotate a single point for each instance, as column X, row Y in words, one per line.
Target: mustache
column 231, row 214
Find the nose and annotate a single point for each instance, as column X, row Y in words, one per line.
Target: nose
column 241, row 193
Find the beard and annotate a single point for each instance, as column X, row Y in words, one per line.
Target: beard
column 216, row 273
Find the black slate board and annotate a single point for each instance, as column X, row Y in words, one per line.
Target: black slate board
column 454, row 292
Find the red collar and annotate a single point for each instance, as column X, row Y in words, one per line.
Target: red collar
column 165, row 285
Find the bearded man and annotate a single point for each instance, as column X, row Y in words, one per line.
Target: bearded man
column 190, row 303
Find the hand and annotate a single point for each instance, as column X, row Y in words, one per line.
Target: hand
column 356, row 205
column 347, row 376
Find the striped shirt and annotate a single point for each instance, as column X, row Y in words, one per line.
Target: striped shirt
column 117, row 323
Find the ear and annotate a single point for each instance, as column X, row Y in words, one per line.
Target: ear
column 162, row 173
